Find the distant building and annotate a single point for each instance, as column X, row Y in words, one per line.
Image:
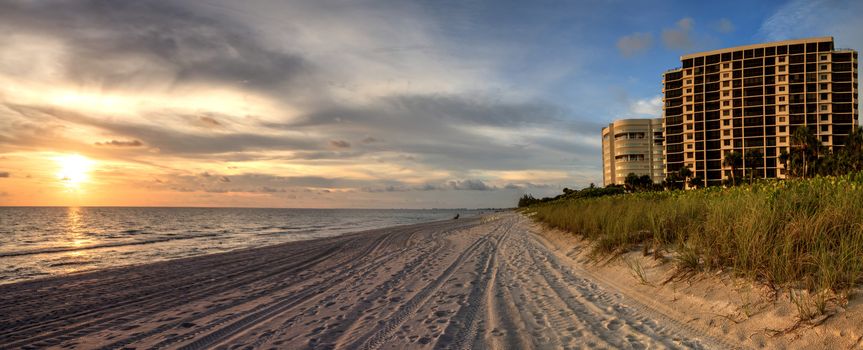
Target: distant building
column 753, row 98
column 632, row 146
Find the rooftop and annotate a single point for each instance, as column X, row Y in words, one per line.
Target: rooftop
column 756, row 46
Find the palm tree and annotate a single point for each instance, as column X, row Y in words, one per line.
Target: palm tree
column 685, row 173
column 733, row 160
column 850, row 157
column 806, row 147
column 753, row 159
column 696, row 182
column 631, row 182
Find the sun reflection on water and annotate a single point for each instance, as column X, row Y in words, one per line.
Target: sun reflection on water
column 75, row 228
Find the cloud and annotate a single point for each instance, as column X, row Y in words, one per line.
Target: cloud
column 4, row 174
column 724, row 25
column 679, row 37
column 165, row 139
column 209, row 121
column 398, row 105
column 634, row 44
column 163, row 40
column 116, row 143
column 647, row 107
column 340, row 144
column 451, row 185
column 471, row 185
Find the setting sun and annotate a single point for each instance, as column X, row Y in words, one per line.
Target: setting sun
column 74, row 169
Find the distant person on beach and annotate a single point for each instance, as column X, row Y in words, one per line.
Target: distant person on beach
column 456, row 217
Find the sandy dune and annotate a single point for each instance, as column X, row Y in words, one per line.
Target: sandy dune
column 469, row 283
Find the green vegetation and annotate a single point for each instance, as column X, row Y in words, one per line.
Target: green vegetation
column 798, row 233
column 589, row 192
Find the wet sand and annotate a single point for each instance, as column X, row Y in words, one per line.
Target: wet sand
column 488, row 282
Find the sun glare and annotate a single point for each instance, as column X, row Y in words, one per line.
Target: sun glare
column 74, row 169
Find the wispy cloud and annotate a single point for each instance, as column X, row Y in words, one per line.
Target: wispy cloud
column 724, row 25
column 635, row 43
column 679, row 37
column 118, row 143
column 647, row 107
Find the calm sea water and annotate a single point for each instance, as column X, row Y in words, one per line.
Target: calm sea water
column 39, row 242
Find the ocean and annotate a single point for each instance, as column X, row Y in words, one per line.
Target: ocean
column 36, row 242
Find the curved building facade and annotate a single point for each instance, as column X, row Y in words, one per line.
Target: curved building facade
column 632, row 146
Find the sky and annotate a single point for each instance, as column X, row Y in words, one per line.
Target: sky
column 345, row 104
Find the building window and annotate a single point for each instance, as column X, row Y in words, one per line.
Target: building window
column 782, row 139
column 726, row 66
column 688, row 126
column 726, row 93
column 725, row 83
column 782, row 129
column 689, row 136
column 824, row 128
column 688, row 117
column 688, row 91
column 689, row 72
column 726, row 122
column 824, row 86
column 824, row 117
column 781, row 119
column 781, row 98
column 726, row 113
column 823, row 57
column 689, row 146
column 688, row 82
column 781, row 78
column 825, row 96
column 781, row 59
column 823, row 67
column 781, row 68
column 725, row 103
column 726, row 132
column 782, row 108
column 727, row 142
column 781, row 88
column 825, row 138
column 688, row 98
column 725, row 75
column 823, row 107
column 688, row 108
column 823, row 76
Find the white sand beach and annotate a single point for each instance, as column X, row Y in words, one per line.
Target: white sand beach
column 490, row 282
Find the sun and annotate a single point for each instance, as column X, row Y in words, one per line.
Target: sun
column 74, row 169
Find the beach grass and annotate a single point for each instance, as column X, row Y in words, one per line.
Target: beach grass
column 804, row 234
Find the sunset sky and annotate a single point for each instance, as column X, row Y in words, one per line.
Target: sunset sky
column 389, row 104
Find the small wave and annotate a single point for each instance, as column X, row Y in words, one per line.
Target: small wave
column 98, row 246
column 133, row 232
column 69, row 263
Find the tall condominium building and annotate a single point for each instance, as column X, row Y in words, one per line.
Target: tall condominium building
column 632, row 146
column 754, row 97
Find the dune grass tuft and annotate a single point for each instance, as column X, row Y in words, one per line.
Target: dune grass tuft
column 798, row 234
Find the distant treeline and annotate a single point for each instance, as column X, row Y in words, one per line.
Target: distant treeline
column 589, row 192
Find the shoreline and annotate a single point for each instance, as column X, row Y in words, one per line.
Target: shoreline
column 72, row 240
column 182, row 259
